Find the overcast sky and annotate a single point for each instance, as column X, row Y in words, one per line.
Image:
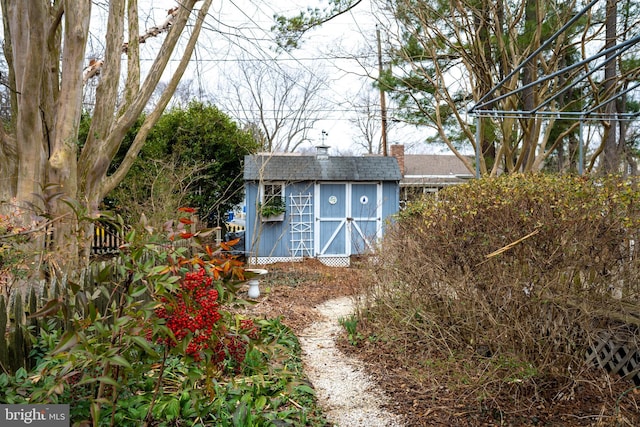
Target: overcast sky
column 343, row 49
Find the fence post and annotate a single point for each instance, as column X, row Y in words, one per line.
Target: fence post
column 18, row 341
column 4, row 352
column 33, row 308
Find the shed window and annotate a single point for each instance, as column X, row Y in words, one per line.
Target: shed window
column 271, row 191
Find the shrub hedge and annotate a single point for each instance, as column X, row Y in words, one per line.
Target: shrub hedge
column 531, row 266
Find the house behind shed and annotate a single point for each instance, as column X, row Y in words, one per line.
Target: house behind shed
column 335, row 207
column 428, row 173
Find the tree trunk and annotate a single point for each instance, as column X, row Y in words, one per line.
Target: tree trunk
column 529, row 75
column 63, row 171
column 611, row 161
column 28, row 29
column 485, row 82
column 46, row 53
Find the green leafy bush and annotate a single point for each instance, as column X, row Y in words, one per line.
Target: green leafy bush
column 272, row 207
column 154, row 340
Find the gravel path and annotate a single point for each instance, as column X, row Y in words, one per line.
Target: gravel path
column 345, row 393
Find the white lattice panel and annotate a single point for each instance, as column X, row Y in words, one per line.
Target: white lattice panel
column 263, row 260
column 335, row 261
column 618, row 355
column 301, row 223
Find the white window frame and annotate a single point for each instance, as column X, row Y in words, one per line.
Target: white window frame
column 273, row 184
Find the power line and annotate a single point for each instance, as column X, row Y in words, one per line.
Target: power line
column 240, row 60
column 271, row 39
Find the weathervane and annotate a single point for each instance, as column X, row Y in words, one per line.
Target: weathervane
column 325, row 134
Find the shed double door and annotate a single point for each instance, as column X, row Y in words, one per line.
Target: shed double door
column 348, row 218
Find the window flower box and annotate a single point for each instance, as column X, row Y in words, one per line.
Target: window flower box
column 272, row 218
column 272, row 210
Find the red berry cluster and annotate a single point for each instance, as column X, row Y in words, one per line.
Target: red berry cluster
column 250, row 329
column 192, row 315
column 232, row 348
column 193, row 312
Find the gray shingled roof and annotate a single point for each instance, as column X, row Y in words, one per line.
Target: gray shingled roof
column 275, row 167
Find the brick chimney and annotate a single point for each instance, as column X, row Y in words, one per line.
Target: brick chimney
column 397, row 151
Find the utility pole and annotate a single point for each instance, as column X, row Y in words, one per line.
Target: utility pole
column 383, row 103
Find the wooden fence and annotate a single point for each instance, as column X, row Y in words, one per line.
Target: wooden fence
column 106, row 240
column 617, row 353
column 16, row 343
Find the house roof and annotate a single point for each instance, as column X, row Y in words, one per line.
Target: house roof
column 433, row 170
column 425, row 165
column 275, row 167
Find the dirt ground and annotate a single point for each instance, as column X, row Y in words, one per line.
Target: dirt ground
column 292, row 290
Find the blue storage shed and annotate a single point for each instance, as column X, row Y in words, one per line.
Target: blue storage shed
column 335, row 207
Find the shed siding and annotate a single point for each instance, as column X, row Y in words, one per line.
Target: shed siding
column 270, row 239
column 390, row 199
